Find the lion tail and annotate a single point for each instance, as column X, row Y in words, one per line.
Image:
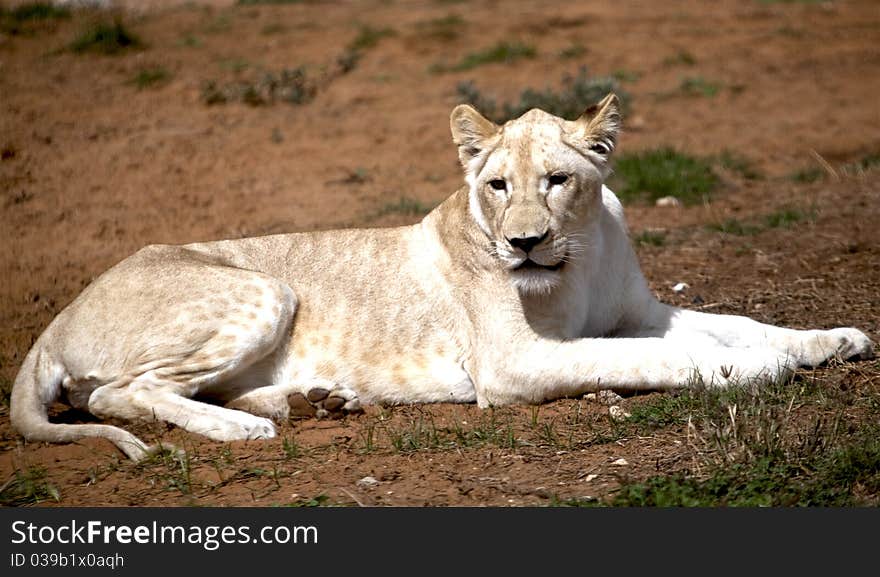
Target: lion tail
column 36, row 387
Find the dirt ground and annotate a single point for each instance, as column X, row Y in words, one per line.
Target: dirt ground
column 96, row 164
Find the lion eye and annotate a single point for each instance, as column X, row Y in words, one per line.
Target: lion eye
column 557, row 179
column 498, row 184
column 600, row 148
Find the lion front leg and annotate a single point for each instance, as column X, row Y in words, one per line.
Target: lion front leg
column 542, row 370
column 808, row 348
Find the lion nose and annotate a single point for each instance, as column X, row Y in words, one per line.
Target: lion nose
column 526, row 243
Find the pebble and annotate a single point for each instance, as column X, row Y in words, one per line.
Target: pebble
column 620, row 462
column 680, row 287
column 367, row 482
column 618, row 413
column 605, row 397
column 667, row 201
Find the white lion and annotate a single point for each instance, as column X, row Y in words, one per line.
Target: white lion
column 520, row 288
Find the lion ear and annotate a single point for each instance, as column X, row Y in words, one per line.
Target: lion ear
column 600, row 124
column 470, row 131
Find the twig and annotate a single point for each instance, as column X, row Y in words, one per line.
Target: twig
column 825, row 164
column 709, row 306
column 350, row 494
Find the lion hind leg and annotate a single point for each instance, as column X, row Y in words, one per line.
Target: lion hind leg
column 159, row 401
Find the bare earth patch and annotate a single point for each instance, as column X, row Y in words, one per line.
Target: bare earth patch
column 102, row 154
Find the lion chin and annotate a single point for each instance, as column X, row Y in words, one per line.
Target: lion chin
column 536, row 281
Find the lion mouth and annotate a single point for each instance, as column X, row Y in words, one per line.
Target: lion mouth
column 529, row 264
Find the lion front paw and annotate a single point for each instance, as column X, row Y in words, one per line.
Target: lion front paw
column 843, row 344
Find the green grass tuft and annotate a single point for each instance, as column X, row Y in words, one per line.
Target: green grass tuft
column 855, row 168
column 623, row 75
column 574, row 51
column 368, row 37
column 291, row 448
column 290, row 85
column 733, row 226
column 826, row 479
column 105, row 38
column 406, row 206
column 862, row 165
column 447, row 28
column 788, row 217
column 24, row 18
column 421, row 434
column 650, row 238
column 785, row 217
column 170, row 467
column 36, row 11
column 699, row 86
column 218, row 25
column 27, row 488
column 653, row 174
column 576, row 94
column 870, row 161
column 757, row 448
column 486, row 431
column 663, row 410
column 190, row 41
column 680, row 58
column 807, row 175
column 739, row 164
column 150, row 78
column 502, row 53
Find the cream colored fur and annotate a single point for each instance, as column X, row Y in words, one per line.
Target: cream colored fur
column 522, row 287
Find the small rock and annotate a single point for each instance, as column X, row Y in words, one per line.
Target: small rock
column 621, row 462
column 590, row 477
column 590, row 397
column 667, row 201
column 609, row 397
column 680, row 287
column 367, row 482
column 618, row 413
